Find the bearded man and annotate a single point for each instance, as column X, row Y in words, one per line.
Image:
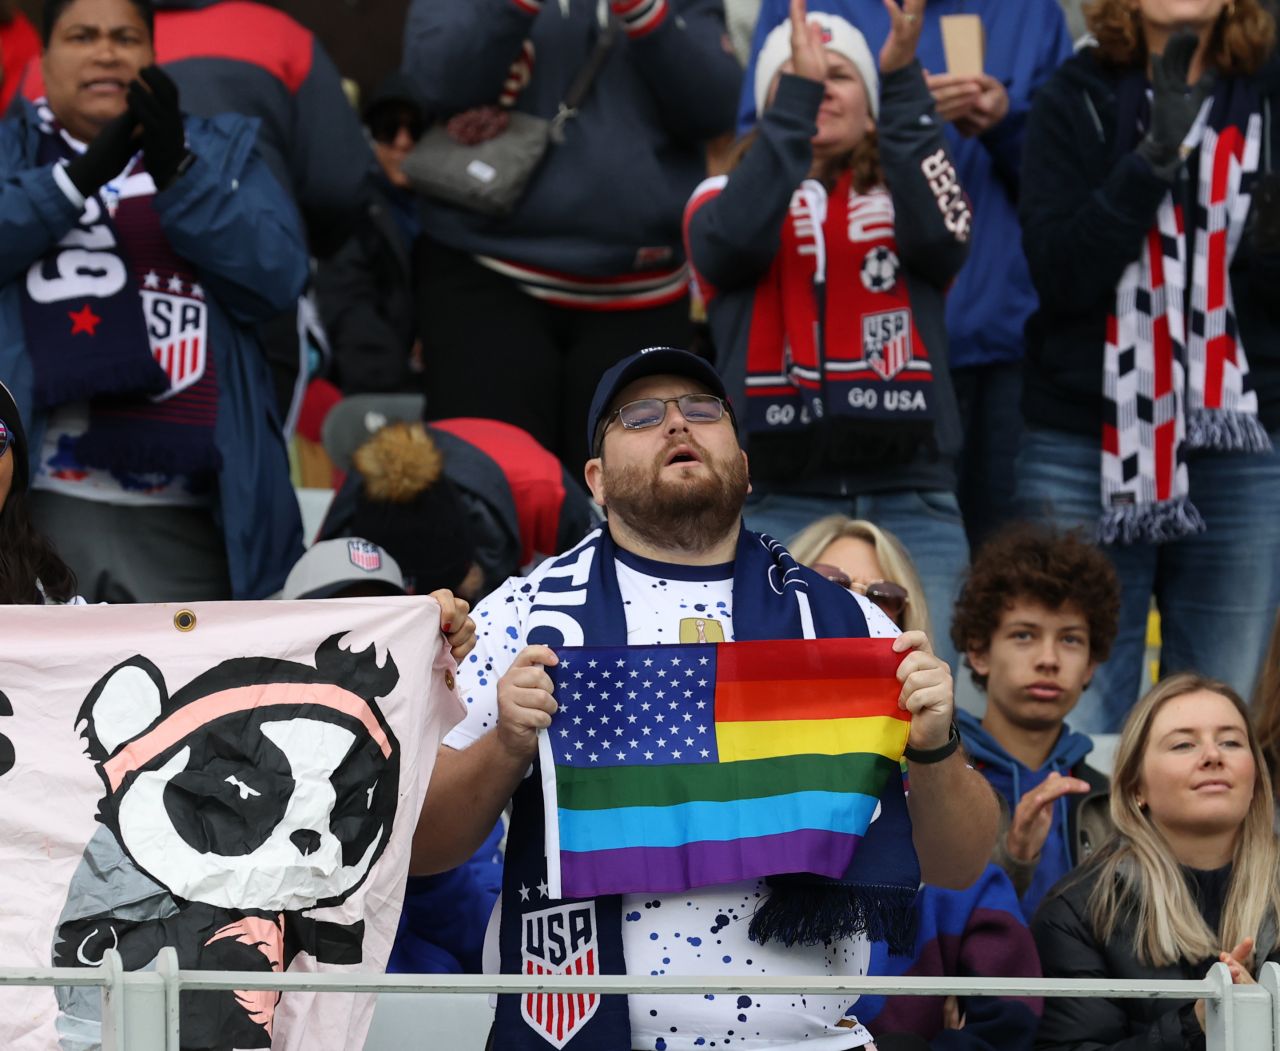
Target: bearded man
column 672, row 564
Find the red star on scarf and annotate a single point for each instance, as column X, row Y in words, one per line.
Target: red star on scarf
column 84, row 320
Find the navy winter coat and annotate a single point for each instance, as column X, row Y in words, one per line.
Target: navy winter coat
column 230, row 218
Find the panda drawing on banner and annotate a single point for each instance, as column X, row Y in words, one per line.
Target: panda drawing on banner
column 259, row 792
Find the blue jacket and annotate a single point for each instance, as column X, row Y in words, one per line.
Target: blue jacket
column 973, row 933
column 1026, row 41
column 443, row 923
column 608, row 200
column 229, row 217
column 1063, row 849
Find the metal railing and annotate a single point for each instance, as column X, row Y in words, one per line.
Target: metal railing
column 140, row 1008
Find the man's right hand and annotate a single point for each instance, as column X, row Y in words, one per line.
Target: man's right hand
column 1032, row 819
column 525, row 704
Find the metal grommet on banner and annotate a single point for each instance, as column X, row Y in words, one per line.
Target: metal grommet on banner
column 449, row 680
column 184, row 620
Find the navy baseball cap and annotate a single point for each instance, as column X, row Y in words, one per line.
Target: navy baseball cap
column 654, row 361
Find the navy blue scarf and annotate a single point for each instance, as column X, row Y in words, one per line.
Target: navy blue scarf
column 113, row 316
column 579, row 603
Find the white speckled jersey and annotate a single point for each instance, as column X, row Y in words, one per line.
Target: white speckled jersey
column 703, row 931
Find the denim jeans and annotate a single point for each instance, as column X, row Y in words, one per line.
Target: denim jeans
column 926, row 521
column 988, row 397
column 1217, row 591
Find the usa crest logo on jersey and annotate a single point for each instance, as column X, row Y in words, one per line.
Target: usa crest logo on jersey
column 560, row 940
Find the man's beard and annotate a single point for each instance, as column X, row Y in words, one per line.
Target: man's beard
column 681, row 514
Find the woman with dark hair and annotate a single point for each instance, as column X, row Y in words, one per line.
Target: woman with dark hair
column 824, row 257
column 1191, row 877
column 1151, row 222
column 30, row 570
column 139, row 248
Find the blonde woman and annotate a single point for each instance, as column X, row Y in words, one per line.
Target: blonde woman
column 1191, row 877
column 861, row 556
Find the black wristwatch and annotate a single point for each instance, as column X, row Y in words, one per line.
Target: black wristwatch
column 935, row 755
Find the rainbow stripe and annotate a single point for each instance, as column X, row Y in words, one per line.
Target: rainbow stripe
column 671, row 767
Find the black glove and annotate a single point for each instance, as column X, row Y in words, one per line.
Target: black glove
column 164, row 139
column 1174, row 105
column 106, row 156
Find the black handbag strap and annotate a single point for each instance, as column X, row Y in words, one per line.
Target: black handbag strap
column 581, row 86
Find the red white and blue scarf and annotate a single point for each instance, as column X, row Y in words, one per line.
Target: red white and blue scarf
column 1175, row 375
column 833, row 348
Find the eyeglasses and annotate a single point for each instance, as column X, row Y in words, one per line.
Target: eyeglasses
column 891, row 598
column 385, row 127
column 650, row 412
column 6, row 438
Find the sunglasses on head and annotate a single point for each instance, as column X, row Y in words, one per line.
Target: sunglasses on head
column 385, row 127
column 891, row 598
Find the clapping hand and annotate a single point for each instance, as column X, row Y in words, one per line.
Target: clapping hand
column 1238, row 961
column 808, row 53
column 154, row 98
column 974, row 105
column 1033, row 817
column 906, row 19
column 107, row 154
column 1174, row 105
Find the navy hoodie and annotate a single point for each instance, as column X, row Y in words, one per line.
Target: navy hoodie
column 607, row 201
column 241, row 57
column 1013, row 780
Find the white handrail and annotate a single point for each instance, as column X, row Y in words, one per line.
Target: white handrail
column 141, row 1007
column 675, row 985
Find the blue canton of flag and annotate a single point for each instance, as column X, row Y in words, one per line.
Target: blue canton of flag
column 635, row 706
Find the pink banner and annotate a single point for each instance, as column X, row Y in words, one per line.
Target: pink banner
column 237, row 780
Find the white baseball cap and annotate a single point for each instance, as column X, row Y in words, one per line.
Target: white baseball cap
column 332, row 566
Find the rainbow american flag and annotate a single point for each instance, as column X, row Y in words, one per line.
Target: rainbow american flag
column 672, row 767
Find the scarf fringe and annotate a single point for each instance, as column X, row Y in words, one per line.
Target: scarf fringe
column 123, row 449
column 125, row 376
column 1226, row 431
column 818, row 914
column 1150, row 523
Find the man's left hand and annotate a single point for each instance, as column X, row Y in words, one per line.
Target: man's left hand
column 989, row 108
column 927, row 691
column 455, row 625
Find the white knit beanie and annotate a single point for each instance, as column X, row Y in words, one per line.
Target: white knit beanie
column 838, row 35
